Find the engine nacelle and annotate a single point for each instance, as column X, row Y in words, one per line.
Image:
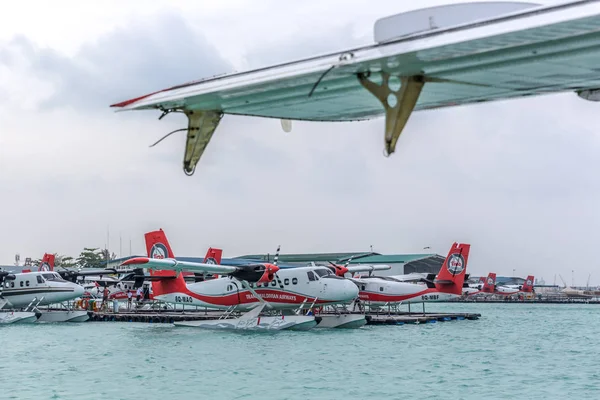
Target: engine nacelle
column 338, row 270
column 6, row 276
column 256, row 273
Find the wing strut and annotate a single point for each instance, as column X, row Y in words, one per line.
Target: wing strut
column 201, row 126
column 398, row 104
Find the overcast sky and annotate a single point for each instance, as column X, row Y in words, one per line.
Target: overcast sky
column 517, row 179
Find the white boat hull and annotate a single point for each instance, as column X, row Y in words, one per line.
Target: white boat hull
column 342, row 321
column 63, row 316
column 17, row 317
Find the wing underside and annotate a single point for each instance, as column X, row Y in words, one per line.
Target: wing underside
column 554, row 50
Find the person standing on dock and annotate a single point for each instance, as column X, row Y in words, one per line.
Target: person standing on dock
column 138, row 294
column 129, row 299
column 104, row 305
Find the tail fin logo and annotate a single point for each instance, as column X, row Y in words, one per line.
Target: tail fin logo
column 490, row 282
column 529, row 283
column 211, row 260
column 45, row 267
column 456, row 264
column 158, row 250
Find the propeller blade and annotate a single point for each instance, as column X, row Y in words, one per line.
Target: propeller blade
column 276, row 255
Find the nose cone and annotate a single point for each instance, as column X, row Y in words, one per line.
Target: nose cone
column 350, row 290
column 78, row 291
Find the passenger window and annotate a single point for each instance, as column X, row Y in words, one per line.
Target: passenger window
column 39, row 279
column 12, row 284
column 286, row 281
column 363, row 287
column 294, row 281
column 273, row 283
column 26, row 283
column 381, row 288
column 21, row 283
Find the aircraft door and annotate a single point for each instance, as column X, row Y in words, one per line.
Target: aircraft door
column 237, row 290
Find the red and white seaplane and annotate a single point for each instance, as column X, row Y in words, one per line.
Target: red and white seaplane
column 380, row 291
column 253, row 287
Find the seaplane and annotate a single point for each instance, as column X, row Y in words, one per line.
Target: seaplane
column 379, row 291
column 252, row 288
column 30, row 290
column 526, row 287
column 426, row 59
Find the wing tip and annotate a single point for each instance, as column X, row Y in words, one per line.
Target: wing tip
column 136, row 261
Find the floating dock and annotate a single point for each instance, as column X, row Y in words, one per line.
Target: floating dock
column 170, row 316
column 401, row 318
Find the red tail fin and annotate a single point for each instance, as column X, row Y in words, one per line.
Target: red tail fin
column 47, row 263
column 451, row 277
column 213, row 256
column 490, row 283
column 158, row 246
column 528, row 285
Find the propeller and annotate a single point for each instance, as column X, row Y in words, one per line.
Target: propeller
column 340, row 270
column 275, row 260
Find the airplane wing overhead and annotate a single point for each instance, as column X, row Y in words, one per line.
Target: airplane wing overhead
column 174, row 265
column 530, row 52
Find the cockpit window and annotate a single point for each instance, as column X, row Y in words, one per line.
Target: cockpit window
column 311, row 276
column 52, row 276
column 323, row 271
column 40, row 279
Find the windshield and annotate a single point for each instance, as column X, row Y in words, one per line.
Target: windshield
column 323, row 272
column 52, row 276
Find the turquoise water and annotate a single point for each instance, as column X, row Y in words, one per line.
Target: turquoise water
column 513, row 351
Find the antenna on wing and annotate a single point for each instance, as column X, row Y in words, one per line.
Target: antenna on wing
column 167, row 135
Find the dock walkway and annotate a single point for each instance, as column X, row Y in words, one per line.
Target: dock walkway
column 170, row 316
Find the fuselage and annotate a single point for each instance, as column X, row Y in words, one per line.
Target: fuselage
column 380, row 291
column 292, row 287
column 46, row 286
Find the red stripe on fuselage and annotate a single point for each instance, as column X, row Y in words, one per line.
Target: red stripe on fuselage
column 394, row 298
column 246, row 297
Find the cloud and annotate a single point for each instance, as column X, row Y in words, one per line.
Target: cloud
column 141, row 57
